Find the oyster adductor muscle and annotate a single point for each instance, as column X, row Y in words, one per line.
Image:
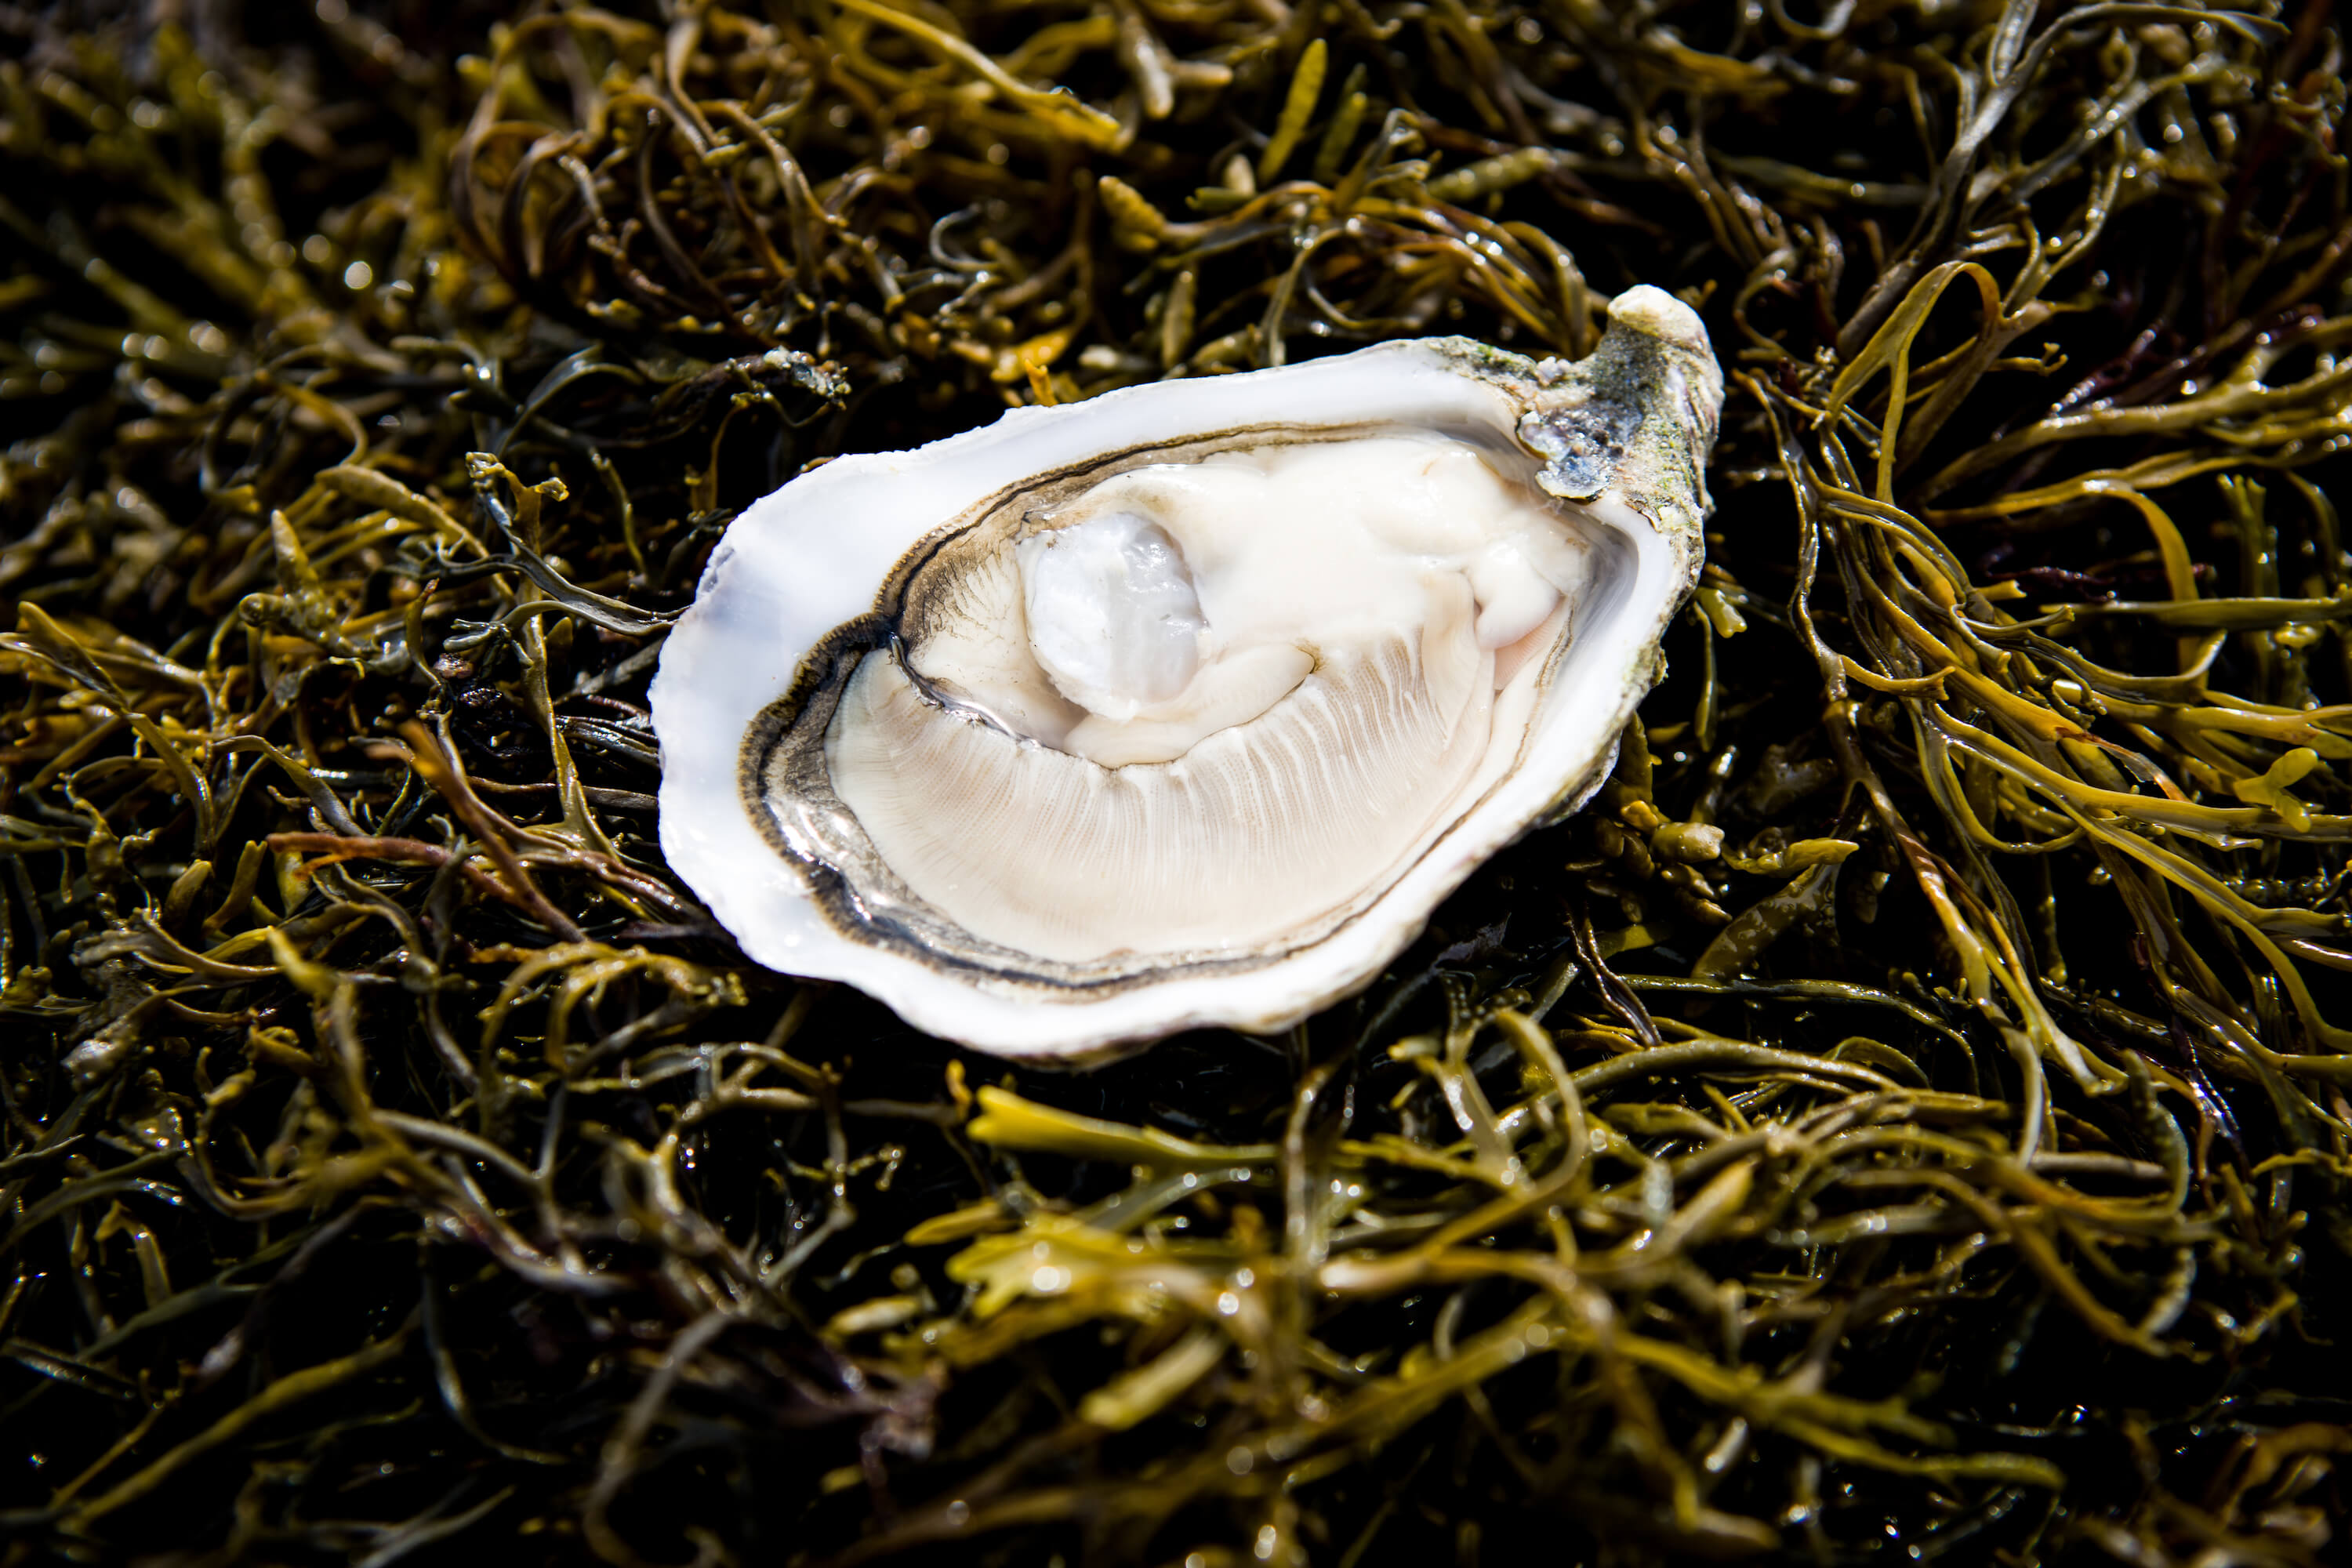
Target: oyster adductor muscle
column 1184, row 705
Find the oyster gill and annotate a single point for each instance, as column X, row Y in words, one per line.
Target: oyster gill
column 1184, row 705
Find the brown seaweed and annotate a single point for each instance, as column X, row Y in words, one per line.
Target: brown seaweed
column 1906, row 1114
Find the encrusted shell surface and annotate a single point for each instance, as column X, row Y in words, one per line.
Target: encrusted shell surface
column 816, row 578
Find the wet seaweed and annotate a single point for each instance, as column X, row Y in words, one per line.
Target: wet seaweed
column 1904, row 1115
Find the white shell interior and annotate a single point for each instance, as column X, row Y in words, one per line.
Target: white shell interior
column 1140, row 631
column 1255, row 687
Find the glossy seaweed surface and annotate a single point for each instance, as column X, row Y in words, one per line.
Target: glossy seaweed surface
column 1905, row 1116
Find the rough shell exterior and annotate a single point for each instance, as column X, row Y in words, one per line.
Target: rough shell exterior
column 1620, row 437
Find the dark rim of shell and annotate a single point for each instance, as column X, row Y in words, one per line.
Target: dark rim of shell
column 786, row 785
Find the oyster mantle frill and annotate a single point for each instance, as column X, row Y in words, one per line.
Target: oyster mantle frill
column 1184, row 705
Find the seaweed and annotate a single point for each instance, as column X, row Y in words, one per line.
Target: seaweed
column 1904, row 1114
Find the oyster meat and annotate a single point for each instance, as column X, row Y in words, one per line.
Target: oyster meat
column 1184, row 705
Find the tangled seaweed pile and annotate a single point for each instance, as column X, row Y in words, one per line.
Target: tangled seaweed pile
column 1906, row 1115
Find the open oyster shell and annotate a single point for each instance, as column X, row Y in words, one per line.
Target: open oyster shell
column 1184, row 705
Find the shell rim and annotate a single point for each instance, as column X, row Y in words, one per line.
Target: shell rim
column 1490, row 388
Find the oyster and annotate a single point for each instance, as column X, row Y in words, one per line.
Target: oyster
column 1184, row 705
